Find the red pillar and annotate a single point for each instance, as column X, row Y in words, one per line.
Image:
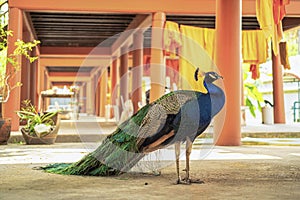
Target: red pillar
column 137, row 70
column 124, row 73
column 114, row 81
column 103, row 91
column 97, row 94
column 33, row 80
column 158, row 68
column 25, row 68
column 15, row 24
column 228, row 60
column 278, row 94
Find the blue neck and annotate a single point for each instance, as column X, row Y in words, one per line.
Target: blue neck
column 217, row 97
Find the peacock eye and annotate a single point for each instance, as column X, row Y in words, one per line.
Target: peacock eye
column 212, row 76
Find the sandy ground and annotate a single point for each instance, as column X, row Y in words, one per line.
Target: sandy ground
column 274, row 173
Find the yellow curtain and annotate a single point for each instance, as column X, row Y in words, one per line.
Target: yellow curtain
column 264, row 14
column 254, row 46
column 196, row 52
column 254, row 50
column 172, row 38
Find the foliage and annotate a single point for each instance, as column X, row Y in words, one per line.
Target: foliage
column 29, row 113
column 253, row 97
column 22, row 49
column 292, row 37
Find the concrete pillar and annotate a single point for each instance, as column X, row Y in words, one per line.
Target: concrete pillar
column 15, row 24
column 278, row 94
column 228, row 60
column 33, row 81
column 137, row 70
column 41, row 84
column 157, row 65
column 97, row 94
column 114, row 80
column 25, row 68
column 124, row 73
column 83, row 97
column 89, row 98
column 103, row 91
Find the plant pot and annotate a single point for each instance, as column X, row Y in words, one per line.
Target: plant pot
column 46, row 139
column 5, row 127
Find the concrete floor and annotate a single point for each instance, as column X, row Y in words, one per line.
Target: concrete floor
column 270, row 170
column 244, row 172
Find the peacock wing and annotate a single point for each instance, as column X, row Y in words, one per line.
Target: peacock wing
column 158, row 112
column 152, row 123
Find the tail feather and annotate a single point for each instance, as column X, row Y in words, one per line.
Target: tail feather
column 117, row 153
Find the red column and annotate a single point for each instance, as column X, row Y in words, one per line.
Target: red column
column 124, row 73
column 114, row 80
column 157, row 66
column 26, row 68
column 84, row 96
column 97, row 94
column 15, row 24
column 278, row 94
column 33, row 80
column 228, row 60
column 103, row 91
column 137, row 70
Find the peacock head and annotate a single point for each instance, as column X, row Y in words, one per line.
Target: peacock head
column 209, row 77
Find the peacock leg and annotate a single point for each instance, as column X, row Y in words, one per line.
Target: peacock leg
column 177, row 154
column 187, row 179
column 188, row 150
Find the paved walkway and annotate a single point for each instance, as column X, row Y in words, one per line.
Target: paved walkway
column 268, row 168
column 244, row 172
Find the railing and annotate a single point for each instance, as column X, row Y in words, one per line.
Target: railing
column 296, row 107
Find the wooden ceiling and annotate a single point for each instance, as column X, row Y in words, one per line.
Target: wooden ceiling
column 89, row 30
column 57, row 29
column 78, row 29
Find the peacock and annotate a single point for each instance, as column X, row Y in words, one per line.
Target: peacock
column 177, row 117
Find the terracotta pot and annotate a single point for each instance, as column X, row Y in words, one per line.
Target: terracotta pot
column 46, row 139
column 5, row 127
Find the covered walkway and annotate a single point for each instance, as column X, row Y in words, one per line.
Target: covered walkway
column 65, row 44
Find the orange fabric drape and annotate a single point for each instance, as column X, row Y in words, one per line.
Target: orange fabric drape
column 269, row 14
column 284, row 57
column 254, row 69
column 279, row 9
column 172, row 70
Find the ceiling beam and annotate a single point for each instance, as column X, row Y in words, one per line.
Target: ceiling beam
column 74, row 50
column 203, row 7
column 83, row 61
column 66, row 74
column 140, row 22
column 69, row 79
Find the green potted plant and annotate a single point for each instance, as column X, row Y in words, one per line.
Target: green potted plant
column 22, row 49
column 40, row 128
